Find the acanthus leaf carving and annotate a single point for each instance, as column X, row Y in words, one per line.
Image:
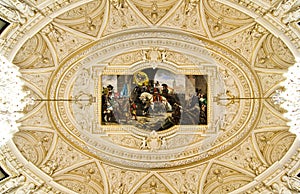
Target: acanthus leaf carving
column 122, row 180
column 63, row 41
column 121, row 17
column 153, row 185
column 242, row 43
column 245, row 157
column 187, row 17
column 63, row 156
column 221, row 179
column 37, row 118
column 185, row 181
column 49, row 167
column 269, row 80
column 269, row 119
column 38, row 80
column 154, row 11
column 125, row 140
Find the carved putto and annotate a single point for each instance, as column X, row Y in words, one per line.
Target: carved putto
column 12, row 183
column 288, row 10
column 190, row 5
column 292, row 182
column 118, row 4
column 50, row 167
column 16, row 11
column 28, row 188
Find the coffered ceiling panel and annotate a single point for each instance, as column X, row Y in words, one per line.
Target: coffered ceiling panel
column 34, row 54
column 77, row 177
column 63, row 40
column 154, row 11
column 222, row 19
column 272, row 143
column 186, row 180
column 221, row 179
column 87, row 18
column 122, row 16
column 186, row 17
column 153, row 184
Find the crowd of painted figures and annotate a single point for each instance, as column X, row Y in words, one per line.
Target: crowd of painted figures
column 152, row 100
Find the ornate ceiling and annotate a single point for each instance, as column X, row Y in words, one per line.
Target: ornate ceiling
column 63, row 49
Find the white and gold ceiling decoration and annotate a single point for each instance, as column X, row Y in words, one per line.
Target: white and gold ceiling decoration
column 63, row 48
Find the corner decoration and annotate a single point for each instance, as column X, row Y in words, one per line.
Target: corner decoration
column 12, row 99
column 154, row 99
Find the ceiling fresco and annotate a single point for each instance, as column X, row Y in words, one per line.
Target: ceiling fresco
column 140, row 96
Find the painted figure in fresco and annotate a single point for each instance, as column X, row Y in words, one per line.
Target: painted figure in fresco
column 110, row 112
column 203, row 108
column 157, row 88
column 172, row 120
column 176, row 114
column 149, row 99
column 165, row 91
column 104, row 103
column 110, row 89
column 107, row 104
column 146, row 100
column 202, row 115
column 133, row 108
column 202, row 99
column 136, row 93
column 124, row 91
